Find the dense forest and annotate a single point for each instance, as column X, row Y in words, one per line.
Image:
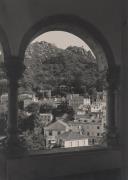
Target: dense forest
column 49, row 67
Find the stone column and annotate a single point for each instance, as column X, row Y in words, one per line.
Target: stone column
column 113, row 84
column 14, row 68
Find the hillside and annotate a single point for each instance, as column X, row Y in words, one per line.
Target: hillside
column 49, row 67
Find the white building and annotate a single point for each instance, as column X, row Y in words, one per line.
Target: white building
column 96, row 107
column 25, row 96
column 27, row 102
column 73, row 139
column 92, row 130
column 87, row 101
column 53, row 130
column 34, row 98
column 75, row 100
column 4, row 98
column 80, row 112
column 46, row 117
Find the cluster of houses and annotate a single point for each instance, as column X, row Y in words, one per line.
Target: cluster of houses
column 85, row 129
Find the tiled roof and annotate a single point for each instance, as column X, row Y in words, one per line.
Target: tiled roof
column 84, row 123
column 58, row 125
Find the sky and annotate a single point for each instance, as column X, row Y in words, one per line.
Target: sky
column 62, row 39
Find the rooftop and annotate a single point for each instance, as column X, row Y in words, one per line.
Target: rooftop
column 58, row 125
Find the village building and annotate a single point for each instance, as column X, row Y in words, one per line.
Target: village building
column 52, row 131
column 27, row 102
column 82, row 118
column 25, row 96
column 57, row 101
column 35, row 99
column 26, row 99
column 4, row 98
column 75, row 100
column 96, row 107
column 72, row 139
column 92, row 130
column 87, row 101
column 84, row 108
column 80, row 112
column 45, row 93
column 46, row 118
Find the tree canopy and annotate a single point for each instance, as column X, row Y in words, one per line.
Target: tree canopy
column 49, row 67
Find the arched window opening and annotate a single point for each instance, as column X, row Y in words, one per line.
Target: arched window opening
column 3, row 97
column 63, row 93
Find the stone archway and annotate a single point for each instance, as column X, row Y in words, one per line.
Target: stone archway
column 78, row 27
column 88, row 33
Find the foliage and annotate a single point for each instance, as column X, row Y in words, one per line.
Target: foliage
column 33, row 107
column 34, row 140
column 64, row 109
column 31, row 129
column 46, row 108
column 49, row 67
column 25, row 122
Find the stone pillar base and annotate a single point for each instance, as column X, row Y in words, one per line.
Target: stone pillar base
column 13, row 147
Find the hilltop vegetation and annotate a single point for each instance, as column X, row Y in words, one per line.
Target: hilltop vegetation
column 49, row 67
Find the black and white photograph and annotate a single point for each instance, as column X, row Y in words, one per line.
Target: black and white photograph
column 63, row 90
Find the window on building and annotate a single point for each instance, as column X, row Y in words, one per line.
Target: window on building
column 98, row 134
column 71, row 144
column 93, row 141
column 59, row 132
column 50, row 133
column 88, row 133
